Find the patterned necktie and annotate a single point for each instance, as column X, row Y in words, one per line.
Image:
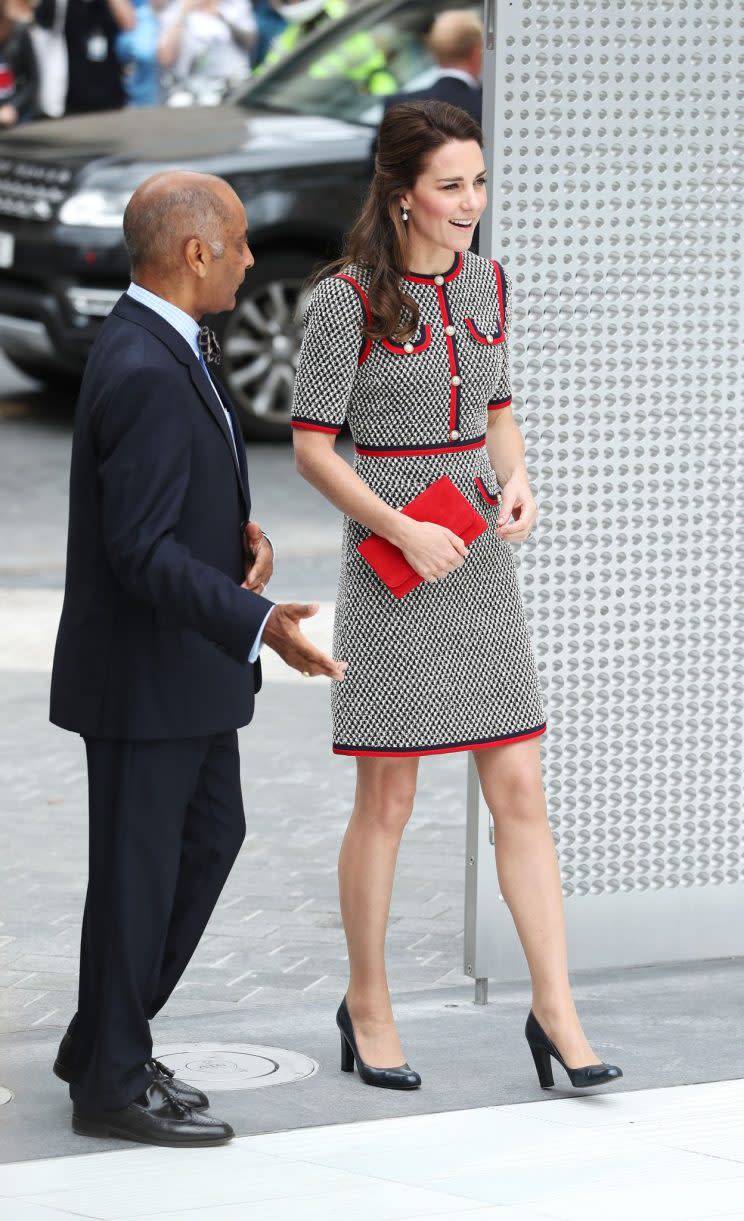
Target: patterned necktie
column 209, row 347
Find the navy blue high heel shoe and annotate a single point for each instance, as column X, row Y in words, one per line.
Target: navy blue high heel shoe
column 543, row 1048
column 402, row 1078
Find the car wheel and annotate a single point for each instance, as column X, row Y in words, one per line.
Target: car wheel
column 261, row 340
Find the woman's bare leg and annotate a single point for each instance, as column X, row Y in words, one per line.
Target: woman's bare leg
column 530, row 882
column 366, row 870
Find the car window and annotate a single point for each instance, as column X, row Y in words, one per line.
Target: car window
column 346, row 72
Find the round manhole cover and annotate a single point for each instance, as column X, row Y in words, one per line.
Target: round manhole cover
column 5, row 1096
column 234, row 1066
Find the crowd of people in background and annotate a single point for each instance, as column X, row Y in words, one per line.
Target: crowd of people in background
column 61, row 57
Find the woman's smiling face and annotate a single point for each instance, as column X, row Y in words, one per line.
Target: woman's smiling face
column 447, row 199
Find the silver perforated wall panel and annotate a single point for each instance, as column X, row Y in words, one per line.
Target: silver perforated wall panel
column 617, row 174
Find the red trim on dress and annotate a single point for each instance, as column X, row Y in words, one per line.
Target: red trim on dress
column 447, row 321
column 367, row 345
column 479, row 337
column 499, row 271
column 400, row 350
column 497, row 404
column 332, row 428
column 368, row 452
column 440, row 750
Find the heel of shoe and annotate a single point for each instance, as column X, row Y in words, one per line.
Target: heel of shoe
column 543, row 1066
column 89, row 1127
column 347, row 1055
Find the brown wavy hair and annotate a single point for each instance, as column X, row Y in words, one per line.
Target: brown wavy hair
column 409, row 133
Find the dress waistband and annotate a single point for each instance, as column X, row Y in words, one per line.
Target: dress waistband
column 418, row 451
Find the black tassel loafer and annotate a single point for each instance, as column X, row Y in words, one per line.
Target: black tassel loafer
column 401, row 1078
column 188, row 1094
column 157, row 1117
column 543, row 1049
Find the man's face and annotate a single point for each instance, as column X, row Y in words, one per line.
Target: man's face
column 226, row 273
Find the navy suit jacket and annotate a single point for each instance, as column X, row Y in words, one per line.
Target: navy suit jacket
column 450, row 89
column 155, row 630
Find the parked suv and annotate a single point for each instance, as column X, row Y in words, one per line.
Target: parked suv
column 295, row 145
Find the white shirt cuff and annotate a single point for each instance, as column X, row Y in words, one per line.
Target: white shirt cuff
column 253, row 655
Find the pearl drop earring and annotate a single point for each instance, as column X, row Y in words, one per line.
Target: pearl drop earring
column 404, row 215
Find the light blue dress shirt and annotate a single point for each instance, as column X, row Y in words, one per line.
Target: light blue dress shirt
column 188, row 328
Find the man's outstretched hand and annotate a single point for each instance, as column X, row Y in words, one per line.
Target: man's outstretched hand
column 258, row 558
column 282, row 634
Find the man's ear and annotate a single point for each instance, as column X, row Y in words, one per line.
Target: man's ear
column 194, row 252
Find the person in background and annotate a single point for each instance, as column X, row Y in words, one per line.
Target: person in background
column 270, row 24
column 94, row 74
column 50, row 46
column 299, row 18
column 358, row 58
column 137, row 51
column 456, row 42
column 208, row 38
column 19, row 77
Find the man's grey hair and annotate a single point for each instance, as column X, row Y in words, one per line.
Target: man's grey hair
column 155, row 230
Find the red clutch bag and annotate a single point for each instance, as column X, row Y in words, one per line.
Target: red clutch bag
column 442, row 504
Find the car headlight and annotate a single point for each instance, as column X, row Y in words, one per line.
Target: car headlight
column 101, row 209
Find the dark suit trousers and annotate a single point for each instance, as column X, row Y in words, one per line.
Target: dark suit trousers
column 166, row 824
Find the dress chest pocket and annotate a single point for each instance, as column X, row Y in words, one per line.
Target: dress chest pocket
column 488, row 489
column 485, row 330
column 412, row 347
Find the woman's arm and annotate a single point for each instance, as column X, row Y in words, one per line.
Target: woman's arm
column 169, row 45
column 123, row 13
column 328, row 365
column 431, row 550
column 244, row 32
column 505, row 445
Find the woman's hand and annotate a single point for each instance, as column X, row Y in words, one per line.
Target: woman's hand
column 432, row 551
column 519, row 503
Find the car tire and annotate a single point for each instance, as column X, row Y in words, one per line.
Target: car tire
column 261, row 339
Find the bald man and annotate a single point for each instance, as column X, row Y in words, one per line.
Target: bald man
column 456, row 42
column 156, row 663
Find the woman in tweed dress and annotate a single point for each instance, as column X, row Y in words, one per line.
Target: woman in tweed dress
column 408, row 342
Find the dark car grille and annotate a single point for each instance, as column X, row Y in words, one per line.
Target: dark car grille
column 30, row 190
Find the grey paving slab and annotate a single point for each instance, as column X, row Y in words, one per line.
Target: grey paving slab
column 665, row 1026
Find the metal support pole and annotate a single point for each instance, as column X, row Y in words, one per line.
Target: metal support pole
column 473, row 787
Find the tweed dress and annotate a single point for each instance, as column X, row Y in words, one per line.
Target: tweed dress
column 449, row 666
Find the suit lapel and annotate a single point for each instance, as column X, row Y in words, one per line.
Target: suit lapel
column 242, row 460
column 208, row 391
column 134, row 311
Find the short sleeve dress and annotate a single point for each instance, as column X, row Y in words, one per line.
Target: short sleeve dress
column 449, row 666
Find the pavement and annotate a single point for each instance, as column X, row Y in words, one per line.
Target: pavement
column 272, row 966
column 657, row 1155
